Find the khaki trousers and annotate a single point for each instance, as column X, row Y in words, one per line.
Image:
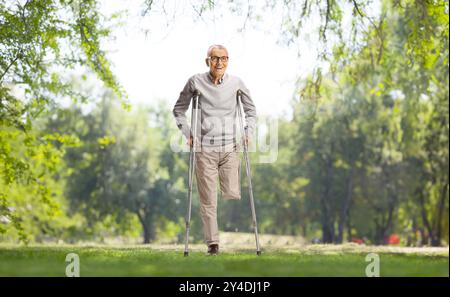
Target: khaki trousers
column 210, row 165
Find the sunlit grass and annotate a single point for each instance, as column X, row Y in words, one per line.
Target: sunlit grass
column 169, row 261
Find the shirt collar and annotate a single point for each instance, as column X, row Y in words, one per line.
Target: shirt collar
column 220, row 80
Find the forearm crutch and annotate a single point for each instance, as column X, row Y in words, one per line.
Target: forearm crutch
column 244, row 131
column 194, row 119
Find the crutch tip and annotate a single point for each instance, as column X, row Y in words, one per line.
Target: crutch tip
column 186, row 253
column 258, row 253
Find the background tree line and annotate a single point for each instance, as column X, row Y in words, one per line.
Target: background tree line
column 364, row 156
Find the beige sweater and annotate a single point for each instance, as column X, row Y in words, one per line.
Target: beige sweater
column 217, row 121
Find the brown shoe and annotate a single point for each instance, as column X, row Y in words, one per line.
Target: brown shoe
column 213, row 249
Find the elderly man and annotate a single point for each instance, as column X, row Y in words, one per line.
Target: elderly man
column 218, row 152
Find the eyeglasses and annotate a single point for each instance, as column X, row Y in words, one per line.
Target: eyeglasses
column 215, row 59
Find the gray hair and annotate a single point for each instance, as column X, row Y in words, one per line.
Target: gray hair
column 218, row 46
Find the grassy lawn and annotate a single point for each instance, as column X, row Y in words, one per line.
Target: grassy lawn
column 153, row 260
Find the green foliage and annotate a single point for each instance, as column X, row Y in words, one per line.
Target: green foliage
column 365, row 155
column 380, row 122
column 124, row 166
column 40, row 41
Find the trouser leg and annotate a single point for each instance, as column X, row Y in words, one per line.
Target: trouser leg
column 207, row 174
column 229, row 174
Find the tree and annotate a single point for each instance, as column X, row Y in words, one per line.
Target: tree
column 37, row 45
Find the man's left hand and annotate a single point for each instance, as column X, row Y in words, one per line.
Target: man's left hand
column 246, row 140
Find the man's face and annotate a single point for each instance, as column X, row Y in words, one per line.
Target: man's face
column 217, row 65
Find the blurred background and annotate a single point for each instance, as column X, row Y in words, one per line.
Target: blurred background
column 359, row 90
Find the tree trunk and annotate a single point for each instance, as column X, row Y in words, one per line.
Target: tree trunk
column 327, row 221
column 436, row 239
column 349, row 227
column 379, row 236
column 425, row 221
column 384, row 225
column 148, row 226
column 304, row 229
column 146, row 235
column 345, row 207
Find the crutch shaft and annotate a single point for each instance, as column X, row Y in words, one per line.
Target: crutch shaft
column 248, row 172
column 194, row 118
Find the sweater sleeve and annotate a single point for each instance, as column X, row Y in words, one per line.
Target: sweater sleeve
column 182, row 105
column 249, row 109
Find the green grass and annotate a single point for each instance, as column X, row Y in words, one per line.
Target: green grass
column 154, row 261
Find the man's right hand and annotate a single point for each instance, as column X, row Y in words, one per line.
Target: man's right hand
column 190, row 141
